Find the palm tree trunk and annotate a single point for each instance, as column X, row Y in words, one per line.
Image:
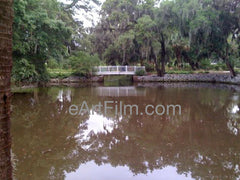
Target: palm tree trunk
column 6, row 19
column 163, row 55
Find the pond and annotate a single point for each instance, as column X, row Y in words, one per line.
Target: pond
column 201, row 142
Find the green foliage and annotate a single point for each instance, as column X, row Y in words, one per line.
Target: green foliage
column 66, row 64
column 143, row 29
column 112, row 55
column 41, row 30
column 124, row 44
column 205, row 64
column 140, row 72
column 82, row 63
column 237, row 63
column 176, row 32
column 59, row 73
column 41, row 69
column 52, row 63
column 149, row 67
column 179, row 72
column 24, row 71
column 219, row 67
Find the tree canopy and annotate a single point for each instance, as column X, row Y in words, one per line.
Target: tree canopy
column 183, row 30
column 149, row 32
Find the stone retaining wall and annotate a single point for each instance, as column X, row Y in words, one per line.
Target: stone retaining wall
column 75, row 79
column 210, row 78
column 213, row 78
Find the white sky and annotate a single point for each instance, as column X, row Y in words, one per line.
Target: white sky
column 89, row 19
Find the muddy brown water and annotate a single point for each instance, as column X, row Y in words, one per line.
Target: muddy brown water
column 201, row 143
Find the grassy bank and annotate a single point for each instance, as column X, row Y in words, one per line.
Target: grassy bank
column 59, row 73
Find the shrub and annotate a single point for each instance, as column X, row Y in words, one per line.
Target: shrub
column 140, row 72
column 41, row 70
column 66, row 64
column 82, row 63
column 179, row 72
column 59, row 73
column 171, row 64
column 24, row 71
column 205, row 64
column 149, row 67
column 52, row 63
column 223, row 67
column 216, row 67
column 237, row 62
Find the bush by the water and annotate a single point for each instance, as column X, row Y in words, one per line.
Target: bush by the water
column 219, row 67
column 52, row 63
column 82, row 63
column 23, row 70
column 149, row 67
column 59, row 73
column 205, row 64
column 140, row 72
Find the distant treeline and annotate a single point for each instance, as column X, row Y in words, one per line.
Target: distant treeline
column 151, row 33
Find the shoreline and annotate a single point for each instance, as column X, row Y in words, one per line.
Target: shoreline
column 201, row 77
column 219, row 78
column 207, row 78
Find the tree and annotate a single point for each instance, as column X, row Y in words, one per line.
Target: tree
column 125, row 43
column 208, row 26
column 145, row 35
column 6, row 18
column 114, row 33
column 42, row 29
column 165, row 29
column 83, row 64
column 228, row 21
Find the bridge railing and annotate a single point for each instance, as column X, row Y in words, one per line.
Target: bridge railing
column 111, row 70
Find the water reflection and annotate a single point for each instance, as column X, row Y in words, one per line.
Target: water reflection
column 120, row 91
column 202, row 143
column 233, row 114
column 91, row 171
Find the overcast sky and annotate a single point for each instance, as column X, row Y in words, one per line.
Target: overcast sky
column 90, row 18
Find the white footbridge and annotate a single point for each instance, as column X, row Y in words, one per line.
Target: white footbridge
column 117, row 70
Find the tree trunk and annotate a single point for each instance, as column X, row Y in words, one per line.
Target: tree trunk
column 154, row 57
column 187, row 59
column 163, row 55
column 229, row 66
column 6, row 18
column 178, row 52
column 124, row 57
column 231, row 69
column 141, row 61
column 159, row 72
